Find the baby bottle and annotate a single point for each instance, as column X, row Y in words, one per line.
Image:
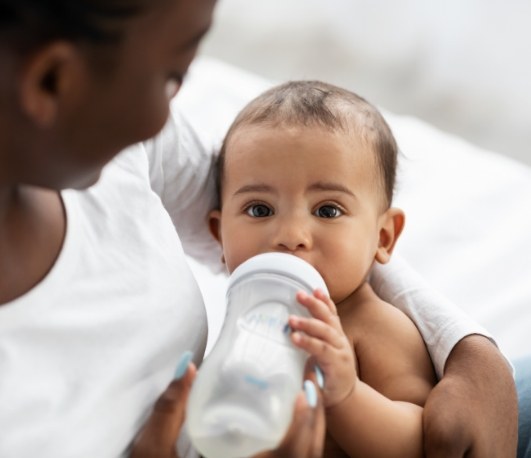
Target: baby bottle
column 242, row 400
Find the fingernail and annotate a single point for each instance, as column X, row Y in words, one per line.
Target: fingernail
column 319, row 376
column 182, row 365
column 310, row 392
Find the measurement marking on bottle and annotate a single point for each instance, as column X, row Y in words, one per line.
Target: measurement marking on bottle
column 269, row 320
column 260, row 383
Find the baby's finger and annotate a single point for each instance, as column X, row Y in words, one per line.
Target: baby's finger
column 320, row 294
column 318, row 308
column 323, row 352
column 318, row 329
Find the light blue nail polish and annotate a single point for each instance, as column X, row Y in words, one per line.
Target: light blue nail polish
column 182, row 365
column 311, row 393
column 319, row 376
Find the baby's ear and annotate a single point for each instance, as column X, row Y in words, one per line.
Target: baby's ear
column 214, row 224
column 391, row 225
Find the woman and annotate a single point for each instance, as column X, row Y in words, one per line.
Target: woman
column 97, row 302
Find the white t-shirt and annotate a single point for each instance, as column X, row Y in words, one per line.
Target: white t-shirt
column 85, row 353
column 441, row 323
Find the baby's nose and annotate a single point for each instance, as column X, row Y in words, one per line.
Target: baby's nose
column 292, row 236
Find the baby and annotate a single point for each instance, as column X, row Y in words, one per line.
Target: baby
column 308, row 168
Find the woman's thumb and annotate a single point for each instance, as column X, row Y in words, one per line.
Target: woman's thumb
column 158, row 436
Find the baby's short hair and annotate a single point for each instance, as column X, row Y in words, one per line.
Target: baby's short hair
column 323, row 105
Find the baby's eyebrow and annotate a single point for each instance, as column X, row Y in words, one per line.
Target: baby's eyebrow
column 330, row 186
column 259, row 187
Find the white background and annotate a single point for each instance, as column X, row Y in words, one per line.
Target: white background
column 462, row 65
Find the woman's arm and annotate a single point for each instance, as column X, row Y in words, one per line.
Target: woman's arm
column 181, row 172
column 471, row 368
column 473, row 410
column 441, row 323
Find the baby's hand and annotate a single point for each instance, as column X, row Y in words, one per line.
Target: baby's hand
column 322, row 336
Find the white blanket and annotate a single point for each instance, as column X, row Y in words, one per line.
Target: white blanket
column 468, row 229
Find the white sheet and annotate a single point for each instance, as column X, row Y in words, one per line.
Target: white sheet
column 458, row 65
column 468, row 210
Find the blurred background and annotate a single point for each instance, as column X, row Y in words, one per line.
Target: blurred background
column 461, row 65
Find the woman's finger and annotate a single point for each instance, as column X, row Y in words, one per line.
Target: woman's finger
column 319, row 428
column 305, row 437
column 158, row 436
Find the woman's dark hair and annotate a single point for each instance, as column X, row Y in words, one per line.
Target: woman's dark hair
column 28, row 24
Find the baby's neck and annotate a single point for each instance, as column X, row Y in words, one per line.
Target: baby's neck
column 361, row 295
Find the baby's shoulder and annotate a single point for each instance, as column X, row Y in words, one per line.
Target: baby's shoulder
column 390, row 351
column 369, row 318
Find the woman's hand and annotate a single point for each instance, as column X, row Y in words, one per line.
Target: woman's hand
column 305, row 437
column 473, row 410
column 158, row 436
column 322, row 337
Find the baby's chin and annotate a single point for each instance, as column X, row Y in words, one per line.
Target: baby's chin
column 341, row 296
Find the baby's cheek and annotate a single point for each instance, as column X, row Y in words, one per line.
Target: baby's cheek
column 343, row 282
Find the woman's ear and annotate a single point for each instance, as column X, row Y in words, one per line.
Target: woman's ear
column 51, row 77
column 391, row 225
column 214, row 224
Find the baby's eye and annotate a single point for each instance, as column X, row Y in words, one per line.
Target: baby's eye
column 328, row 211
column 258, row 211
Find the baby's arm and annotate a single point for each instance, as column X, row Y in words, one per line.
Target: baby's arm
column 368, row 421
